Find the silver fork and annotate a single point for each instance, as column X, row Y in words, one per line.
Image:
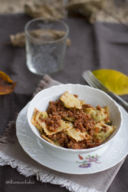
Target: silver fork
column 94, row 82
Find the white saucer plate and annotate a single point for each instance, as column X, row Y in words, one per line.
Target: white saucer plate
column 86, row 164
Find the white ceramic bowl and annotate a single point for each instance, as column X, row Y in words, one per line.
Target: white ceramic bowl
column 90, row 96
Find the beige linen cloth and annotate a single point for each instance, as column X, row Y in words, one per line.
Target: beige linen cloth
column 12, row 154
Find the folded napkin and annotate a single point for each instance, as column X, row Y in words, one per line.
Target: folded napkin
column 12, row 154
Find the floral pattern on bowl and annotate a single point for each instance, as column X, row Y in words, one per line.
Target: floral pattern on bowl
column 86, row 162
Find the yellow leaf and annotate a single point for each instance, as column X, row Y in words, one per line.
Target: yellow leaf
column 6, row 84
column 115, row 81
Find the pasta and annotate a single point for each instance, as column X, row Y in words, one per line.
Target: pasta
column 71, row 123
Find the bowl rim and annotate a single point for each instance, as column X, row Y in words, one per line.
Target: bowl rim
column 69, row 149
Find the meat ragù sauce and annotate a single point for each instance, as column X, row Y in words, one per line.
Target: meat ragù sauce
column 75, row 125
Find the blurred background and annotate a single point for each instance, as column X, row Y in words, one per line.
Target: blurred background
column 92, row 10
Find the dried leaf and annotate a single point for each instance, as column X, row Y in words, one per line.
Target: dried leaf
column 18, row 40
column 100, row 10
column 87, row 8
column 6, row 84
column 115, row 81
column 47, row 11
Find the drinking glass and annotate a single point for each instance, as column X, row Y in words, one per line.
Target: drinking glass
column 45, row 45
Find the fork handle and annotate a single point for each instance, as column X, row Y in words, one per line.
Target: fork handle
column 119, row 100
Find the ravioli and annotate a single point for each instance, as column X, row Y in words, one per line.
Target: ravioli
column 70, row 101
column 38, row 120
column 104, row 131
column 71, row 123
column 35, row 118
column 98, row 115
column 77, row 135
column 49, row 140
column 63, row 126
